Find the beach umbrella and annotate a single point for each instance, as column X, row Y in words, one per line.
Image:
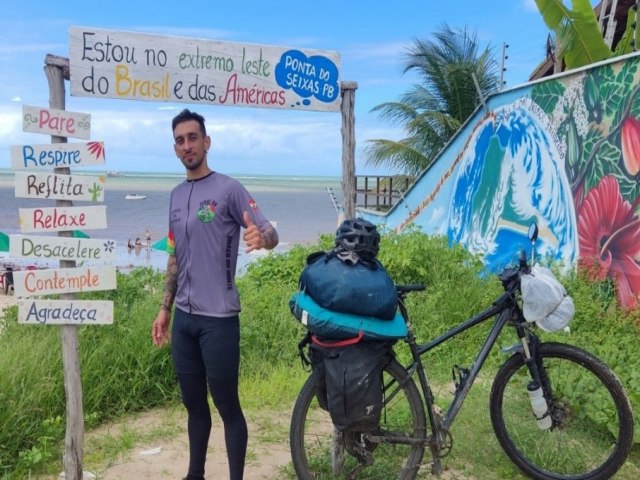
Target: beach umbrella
column 4, row 242
column 160, row 245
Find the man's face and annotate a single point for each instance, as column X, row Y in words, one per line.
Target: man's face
column 190, row 145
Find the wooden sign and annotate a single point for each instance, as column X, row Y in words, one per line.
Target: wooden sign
column 136, row 66
column 54, row 186
column 56, row 122
column 39, row 247
column 31, row 283
column 55, row 155
column 65, row 312
column 55, row 219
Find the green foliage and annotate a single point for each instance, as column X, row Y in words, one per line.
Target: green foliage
column 122, row 372
column 433, row 110
column 577, row 32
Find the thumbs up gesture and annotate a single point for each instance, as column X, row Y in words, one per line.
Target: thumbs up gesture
column 252, row 236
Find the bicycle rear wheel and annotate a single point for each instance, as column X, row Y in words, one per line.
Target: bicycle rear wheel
column 396, row 448
column 592, row 430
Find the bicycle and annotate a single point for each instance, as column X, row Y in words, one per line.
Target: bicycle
column 571, row 445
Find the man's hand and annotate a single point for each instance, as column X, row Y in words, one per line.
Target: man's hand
column 252, row 236
column 160, row 329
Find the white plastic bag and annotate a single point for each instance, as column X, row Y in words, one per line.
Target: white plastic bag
column 545, row 300
column 560, row 317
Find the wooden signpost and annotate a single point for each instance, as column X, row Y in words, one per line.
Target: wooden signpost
column 57, row 155
column 57, row 219
column 56, row 122
column 139, row 66
column 52, row 186
column 31, row 284
column 65, row 312
column 81, row 250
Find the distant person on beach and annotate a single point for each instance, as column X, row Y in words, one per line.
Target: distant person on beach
column 206, row 215
column 129, row 245
column 138, row 243
column 147, row 236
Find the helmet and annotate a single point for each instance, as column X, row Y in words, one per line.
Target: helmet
column 360, row 236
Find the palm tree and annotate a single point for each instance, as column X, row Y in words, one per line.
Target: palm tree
column 432, row 111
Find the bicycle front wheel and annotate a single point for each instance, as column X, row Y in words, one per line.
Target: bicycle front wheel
column 592, row 423
column 394, row 450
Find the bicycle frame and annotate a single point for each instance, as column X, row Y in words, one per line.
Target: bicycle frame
column 504, row 308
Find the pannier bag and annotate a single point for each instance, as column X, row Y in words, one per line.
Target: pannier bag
column 326, row 323
column 545, row 300
column 353, row 383
column 361, row 287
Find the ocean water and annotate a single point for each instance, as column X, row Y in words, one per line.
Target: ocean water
column 300, row 206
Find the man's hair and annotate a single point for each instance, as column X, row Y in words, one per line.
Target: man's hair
column 186, row 115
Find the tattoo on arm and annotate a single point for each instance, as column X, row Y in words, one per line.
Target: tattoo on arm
column 171, row 283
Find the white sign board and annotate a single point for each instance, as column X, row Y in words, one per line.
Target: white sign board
column 55, row 155
column 56, row 122
column 55, row 219
column 54, row 186
column 40, row 247
column 65, row 312
column 160, row 68
column 32, row 283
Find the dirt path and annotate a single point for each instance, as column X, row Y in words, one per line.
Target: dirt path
column 161, row 447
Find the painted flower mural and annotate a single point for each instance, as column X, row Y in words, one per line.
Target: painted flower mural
column 609, row 236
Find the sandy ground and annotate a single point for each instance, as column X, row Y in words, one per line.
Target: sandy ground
column 166, row 456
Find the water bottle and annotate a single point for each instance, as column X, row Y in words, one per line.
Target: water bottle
column 539, row 405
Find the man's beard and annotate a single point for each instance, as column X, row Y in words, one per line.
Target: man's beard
column 193, row 166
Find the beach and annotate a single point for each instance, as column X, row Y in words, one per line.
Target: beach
column 299, row 206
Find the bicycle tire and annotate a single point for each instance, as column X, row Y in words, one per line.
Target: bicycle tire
column 313, row 437
column 592, row 432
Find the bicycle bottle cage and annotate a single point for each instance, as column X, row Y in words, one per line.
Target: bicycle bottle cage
column 460, row 375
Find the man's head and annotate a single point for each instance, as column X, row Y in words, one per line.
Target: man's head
column 187, row 115
column 191, row 142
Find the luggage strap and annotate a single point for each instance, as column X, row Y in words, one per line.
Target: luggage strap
column 339, row 343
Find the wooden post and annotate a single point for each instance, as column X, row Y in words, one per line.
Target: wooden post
column 348, row 93
column 57, row 69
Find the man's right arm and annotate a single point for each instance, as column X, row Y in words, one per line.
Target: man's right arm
column 160, row 329
column 171, row 284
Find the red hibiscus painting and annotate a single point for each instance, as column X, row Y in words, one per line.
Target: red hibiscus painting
column 609, row 236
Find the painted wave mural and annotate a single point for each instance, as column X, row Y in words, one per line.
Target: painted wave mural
column 564, row 152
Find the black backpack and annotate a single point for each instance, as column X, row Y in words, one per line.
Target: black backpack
column 352, row 386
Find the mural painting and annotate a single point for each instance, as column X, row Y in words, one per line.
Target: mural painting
column 564, row 152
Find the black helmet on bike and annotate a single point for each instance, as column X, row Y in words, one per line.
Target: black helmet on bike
column 360, row 236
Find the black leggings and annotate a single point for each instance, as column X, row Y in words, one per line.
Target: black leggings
column 206, row 350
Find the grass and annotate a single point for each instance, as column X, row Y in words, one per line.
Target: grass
column 123, row 376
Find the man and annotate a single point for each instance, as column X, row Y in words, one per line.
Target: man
column 207, row 212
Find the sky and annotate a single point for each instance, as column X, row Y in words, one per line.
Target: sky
column 371, row 37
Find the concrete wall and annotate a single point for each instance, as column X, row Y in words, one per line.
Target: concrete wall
column 564, row 152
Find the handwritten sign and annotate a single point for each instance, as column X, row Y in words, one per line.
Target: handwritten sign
column 55, row 219
column 136, row 66
column 26, row 157
column 54, row 186
column 31, row 283
column 65, row 312
column 56, row 122
column 62, row 248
